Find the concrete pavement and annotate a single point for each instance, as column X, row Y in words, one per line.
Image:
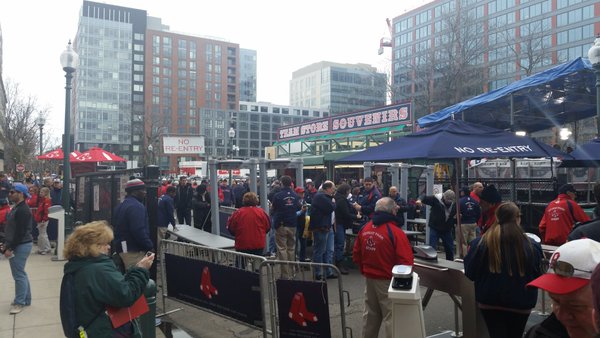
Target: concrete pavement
column 42, row 318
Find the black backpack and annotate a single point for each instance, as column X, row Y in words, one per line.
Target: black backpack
column 68, row 315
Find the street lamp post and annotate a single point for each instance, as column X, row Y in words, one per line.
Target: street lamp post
column 594, row 56
column 69, row 61
column 151, row 151
column 231, row 134
column 41, row 121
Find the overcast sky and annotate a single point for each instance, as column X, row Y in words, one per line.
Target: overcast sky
column 287, row 36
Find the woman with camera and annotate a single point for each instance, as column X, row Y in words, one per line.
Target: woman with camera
column 98, row 283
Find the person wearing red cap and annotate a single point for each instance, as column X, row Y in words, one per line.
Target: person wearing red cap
column 568, row 284
column 560, row 216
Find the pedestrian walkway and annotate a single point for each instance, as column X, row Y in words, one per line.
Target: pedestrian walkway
column 42, row 318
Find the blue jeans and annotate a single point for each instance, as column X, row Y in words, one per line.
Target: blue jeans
column 271, row 237
column 446, row 237
column 17, row 268
column 339, row 242
column 320, row 248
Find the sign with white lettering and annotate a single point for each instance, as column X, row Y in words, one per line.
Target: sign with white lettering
column 387, row 116
column 183, row 145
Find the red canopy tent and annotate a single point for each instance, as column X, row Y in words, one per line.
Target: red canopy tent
column 57, row 154
column 96, row 154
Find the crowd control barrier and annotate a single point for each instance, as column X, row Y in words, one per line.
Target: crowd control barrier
column 299, row 306
column 215, row 280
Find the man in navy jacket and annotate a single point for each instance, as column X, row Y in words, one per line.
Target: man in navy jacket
column 285, row 205
column 166, row 211
column 131, row 227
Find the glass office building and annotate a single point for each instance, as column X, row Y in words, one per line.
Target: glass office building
column 338, row 88
column 514, row 39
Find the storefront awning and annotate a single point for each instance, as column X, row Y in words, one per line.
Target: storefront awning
column 345, row 135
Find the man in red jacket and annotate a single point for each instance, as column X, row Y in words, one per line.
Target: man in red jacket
column 379, row 246
column 560, row 216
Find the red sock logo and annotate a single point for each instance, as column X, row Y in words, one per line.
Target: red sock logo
column 206, row 285
column 298, row 311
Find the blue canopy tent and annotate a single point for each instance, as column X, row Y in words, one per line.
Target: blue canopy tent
column 562, row 94
column 586, row 155
column 455, row 139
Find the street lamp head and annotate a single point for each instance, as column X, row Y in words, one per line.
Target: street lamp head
column 69, row 60
column 231, row 132
column 40, row 121
column 594, row 52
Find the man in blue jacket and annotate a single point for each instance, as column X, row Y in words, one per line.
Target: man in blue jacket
column 131, row 227
column 285, row 205
column 367, row 198
column 470, row 211
column 321, row 224
column 166, row 211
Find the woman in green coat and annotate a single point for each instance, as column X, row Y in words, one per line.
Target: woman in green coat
column 98, row 282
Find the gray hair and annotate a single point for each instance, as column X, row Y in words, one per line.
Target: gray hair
column 385, row 204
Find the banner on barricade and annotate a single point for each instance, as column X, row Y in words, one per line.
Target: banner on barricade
column 216, row 288
column 303, row 309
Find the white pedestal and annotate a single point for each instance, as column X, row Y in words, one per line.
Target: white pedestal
column 58, row 213
column 407, row 312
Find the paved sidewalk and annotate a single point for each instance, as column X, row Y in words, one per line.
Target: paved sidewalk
column 42, row 318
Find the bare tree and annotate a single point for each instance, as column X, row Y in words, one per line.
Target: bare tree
column 155, row 129
column 458, row 59
column 531, row 48
column 19, row 130
column 445, row 70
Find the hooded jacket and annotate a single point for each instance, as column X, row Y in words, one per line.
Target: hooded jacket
column 376, row 252
column 98, row 284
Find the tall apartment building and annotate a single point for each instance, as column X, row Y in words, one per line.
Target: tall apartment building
column 138, row 81
column 502, row 41
column 247, row 75
column 108, row 90
column 338, row 88
column 255, row 125
column 185, row 74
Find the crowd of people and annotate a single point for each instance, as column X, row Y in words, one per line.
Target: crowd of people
column 478, row 226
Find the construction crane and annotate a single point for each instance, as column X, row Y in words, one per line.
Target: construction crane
column 386, row 42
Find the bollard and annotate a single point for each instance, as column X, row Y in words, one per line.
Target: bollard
column 147, row 320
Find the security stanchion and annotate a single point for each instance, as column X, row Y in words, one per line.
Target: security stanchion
column 147, row 320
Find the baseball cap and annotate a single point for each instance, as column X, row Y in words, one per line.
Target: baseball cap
column 56, row 180
column 565, row 188
column 571, row 267
column 308, row 180
column 299, row 190
column 20, row 187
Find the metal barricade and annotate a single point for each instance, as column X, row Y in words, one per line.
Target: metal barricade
column 302, row 281
column 224, row 278
column 298, row 304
